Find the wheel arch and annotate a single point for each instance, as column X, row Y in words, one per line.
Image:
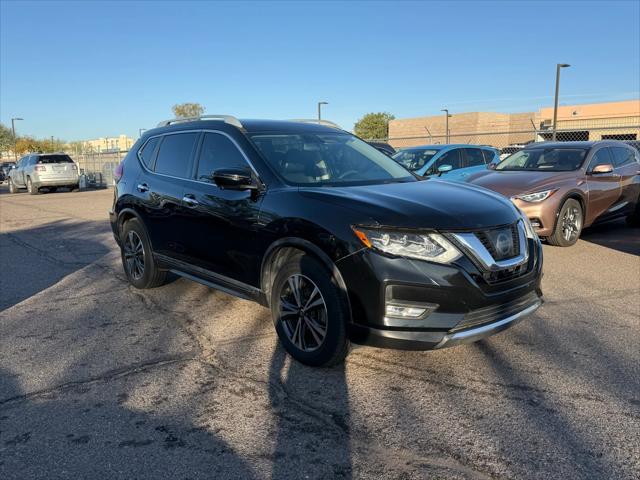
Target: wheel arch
column 282, row 249
column 575, row 195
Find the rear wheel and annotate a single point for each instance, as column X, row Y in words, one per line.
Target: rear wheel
column 53, row 189
column 31, row 188
column 137, row 257
column 633, row 219
column 12, row 186
column 568, row 224
column 309, row 313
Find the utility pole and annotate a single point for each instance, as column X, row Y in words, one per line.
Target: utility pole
column 15, row 140
column 319, row 110
column 555, row 105
column 446, row 123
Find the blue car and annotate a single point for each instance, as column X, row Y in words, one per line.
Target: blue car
column 451, row 162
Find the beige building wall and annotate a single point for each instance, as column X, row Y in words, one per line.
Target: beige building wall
column 102, row 144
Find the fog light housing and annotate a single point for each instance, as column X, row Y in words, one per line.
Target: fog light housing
column 408, row 310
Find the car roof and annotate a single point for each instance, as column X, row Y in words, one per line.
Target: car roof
column 583, row 144
column 440, row 146
column 249, row 126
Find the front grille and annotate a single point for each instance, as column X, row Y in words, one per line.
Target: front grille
column 490, row 238
column 495, row 313
column 506, row 274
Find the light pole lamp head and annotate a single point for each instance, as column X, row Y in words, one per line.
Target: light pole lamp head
column 563, row 65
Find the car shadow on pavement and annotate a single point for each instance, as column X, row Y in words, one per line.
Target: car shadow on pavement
column 616, row 235
column 34, row 259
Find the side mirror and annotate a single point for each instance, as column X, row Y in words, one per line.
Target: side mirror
column 491, row 166
column 603, row 168
column 234, row 179
column 444, row 169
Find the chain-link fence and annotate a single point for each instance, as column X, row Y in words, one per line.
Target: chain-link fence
column 627, row 129
column 98, row 167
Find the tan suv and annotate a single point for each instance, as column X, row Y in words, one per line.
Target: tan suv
column 566, row 186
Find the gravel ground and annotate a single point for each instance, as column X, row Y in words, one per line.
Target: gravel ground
column 99, row 380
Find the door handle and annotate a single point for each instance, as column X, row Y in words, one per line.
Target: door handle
column 190, row 201
column 143, row 187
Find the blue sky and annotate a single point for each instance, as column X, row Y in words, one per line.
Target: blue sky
column 79, row 70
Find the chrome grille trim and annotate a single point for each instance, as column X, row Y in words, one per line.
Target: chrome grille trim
column 475, row 249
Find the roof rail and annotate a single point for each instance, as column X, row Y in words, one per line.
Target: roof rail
column 326, row 123
column 230, row 119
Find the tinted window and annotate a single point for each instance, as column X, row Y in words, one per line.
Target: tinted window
column 218, row 152
column 489, row 155
column 54, row 159
column 414, row 159
column 146, row 154
column 622, row 156
column 601, row 157
column 173, row 156
column 474, row 157
column 452, row 157
column 328, row 158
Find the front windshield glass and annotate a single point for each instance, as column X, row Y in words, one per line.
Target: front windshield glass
column 545, row 159
column 316, row 159
column 414, row 159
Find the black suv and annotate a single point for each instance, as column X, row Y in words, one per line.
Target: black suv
column 337, row 239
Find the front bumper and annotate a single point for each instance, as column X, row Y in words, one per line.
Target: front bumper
column 466, row 305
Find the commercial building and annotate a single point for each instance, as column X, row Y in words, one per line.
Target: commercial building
column 108, row 144
column 597, row 121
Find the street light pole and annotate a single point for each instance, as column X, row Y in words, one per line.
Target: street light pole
column 446, row 124
column 319, row 110
column 555, row 105
column 15, row 141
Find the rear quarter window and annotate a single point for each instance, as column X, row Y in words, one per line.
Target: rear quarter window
column 146, row 152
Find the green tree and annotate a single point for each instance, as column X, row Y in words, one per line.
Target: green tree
column 184, row 110
column 6, row 138
column 373, row 126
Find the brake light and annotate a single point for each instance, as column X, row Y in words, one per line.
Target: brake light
column 118, row 172
column 40, row 168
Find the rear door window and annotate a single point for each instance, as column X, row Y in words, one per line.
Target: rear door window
column 175, row 153
column 622, row 156
column 474, row 157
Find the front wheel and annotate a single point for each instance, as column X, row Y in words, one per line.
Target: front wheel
column 568, row 224
column 12, row 186
column 309, row 313
column 137, row 257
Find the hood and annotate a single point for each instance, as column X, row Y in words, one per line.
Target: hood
column 428, row 204
column 510, row 183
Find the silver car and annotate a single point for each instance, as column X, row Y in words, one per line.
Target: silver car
column 48, row 170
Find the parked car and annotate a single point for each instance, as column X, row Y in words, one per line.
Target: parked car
column 383, row 147
column 451, row 162
column 566, row 186
column 337, row 239
column 634, row 143
column 37, row 170
column 4, row 169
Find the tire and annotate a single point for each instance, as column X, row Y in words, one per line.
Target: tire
column 30, row 188
column 316, row 334
column 137, row 257
column 53, row 189
column 633, row 219
column 74, row 188
column 12, row 186
column 568, row 224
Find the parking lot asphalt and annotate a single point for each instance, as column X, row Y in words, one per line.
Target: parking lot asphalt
column 99, row 380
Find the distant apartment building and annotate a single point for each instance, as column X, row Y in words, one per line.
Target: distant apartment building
column 108, row 144
column 597, row 121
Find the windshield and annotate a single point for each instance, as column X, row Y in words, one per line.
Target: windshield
column 327, row 159
column 545, row 159
column 414, row 159
column 55, row 159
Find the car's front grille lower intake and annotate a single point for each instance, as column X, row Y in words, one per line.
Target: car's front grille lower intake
column 496, row 312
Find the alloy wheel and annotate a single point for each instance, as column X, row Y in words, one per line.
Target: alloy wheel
column 571, row 223
column 303, row 313
column 134, row 255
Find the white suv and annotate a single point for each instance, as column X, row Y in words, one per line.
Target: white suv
column 49, row 170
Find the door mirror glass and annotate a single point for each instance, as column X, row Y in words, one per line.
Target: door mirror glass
column 444, row 169
column 234, row 179
column 602, row 168
column 491, row 166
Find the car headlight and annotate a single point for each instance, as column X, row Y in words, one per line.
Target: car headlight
column 423, row 246
column 535, row 197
